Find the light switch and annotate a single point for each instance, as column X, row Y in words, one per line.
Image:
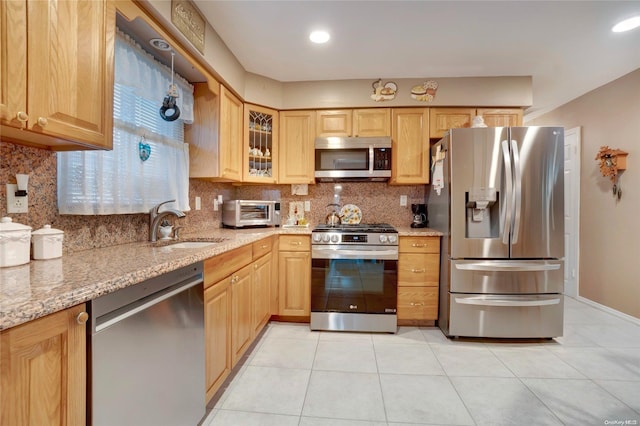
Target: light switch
column 198, row 203
column 307, row 206
column 403, row 200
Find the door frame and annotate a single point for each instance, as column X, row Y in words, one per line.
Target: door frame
column 572, row 263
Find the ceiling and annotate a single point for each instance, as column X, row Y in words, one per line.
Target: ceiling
column 566, row 46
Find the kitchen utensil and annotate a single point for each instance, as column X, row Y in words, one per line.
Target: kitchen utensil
column 47, row 243
column 351, row 214
column 15, row 241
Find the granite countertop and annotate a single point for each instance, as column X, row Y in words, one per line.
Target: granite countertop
column 43, row 287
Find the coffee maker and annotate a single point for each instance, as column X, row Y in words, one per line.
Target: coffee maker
column 420, row 218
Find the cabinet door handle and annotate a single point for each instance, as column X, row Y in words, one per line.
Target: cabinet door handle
column 418, row 245
column 22, row 117
column 296, row 243
column 417, row 304
column 82, row 318
column 264, row 246
column 418, row 271
column 42, row 121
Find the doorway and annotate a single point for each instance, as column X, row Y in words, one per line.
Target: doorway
column 571, row 210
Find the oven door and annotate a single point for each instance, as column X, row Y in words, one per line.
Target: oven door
column 354, row 280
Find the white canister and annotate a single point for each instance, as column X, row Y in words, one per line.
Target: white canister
column 47, row 243
column 15, row 241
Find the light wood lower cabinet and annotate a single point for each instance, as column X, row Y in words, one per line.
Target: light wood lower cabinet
column 217, row 328
column 294, row 275
column 237, row 299
column 262, row 269
column 418, row 278
column 241, row 310
column 43, row 374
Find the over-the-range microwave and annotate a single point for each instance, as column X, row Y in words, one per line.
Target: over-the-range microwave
column 245, row 213
column 354, row 158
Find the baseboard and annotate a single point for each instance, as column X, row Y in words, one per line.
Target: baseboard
column 609, row 310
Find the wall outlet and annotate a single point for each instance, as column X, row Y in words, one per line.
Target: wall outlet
column 403, row 200
column 215, row 204
column 16, row 204
column 307, row 206
column 198, row 203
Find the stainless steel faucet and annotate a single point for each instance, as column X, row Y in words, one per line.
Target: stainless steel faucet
column 156, row 216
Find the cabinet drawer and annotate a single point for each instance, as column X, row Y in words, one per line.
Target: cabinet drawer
column 295, row 242
column 419, row 270
column 419, row 245
column 417, row 303
column 262, row 247
column 221, row 266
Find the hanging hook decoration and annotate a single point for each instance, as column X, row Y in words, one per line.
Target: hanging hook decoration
column 169, row 111
column 144, row 149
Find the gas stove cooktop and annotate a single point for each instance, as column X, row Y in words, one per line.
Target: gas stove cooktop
column 361, row 227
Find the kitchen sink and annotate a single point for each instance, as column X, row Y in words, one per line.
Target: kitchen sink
column 188, row 244
column 192, row 244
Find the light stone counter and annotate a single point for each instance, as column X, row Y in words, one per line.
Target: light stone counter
column 43, row 287
column 407, row 231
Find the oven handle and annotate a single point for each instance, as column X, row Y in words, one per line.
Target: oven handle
column 319, row 253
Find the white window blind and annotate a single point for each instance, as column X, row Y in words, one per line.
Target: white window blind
column 119, row 181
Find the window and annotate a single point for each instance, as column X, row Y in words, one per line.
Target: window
column 120, row 181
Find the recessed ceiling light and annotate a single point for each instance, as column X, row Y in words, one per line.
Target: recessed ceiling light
column 319, row 37
column 626, row 25
column 160, row 44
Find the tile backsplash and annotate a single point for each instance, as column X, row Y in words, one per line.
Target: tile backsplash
column 379, row 202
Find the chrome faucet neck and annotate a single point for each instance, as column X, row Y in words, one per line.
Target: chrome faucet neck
column 156, row 216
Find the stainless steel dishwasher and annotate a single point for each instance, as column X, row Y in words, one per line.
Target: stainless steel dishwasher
column 147, row 352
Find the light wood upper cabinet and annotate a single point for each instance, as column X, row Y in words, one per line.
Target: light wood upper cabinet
column 356, row 122
column 372, row 122
column 260, row 144
column 337, row 122
column 296, row 153
column 231, row 134
column 56, row 85
column 43, row 374
column 443, row 119
column 410, row 146
column 500, row 117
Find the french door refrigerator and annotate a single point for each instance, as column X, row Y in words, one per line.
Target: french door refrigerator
column 500, row 206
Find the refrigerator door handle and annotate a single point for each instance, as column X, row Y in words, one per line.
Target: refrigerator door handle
column 508, row 189
column 486, row 301
column 517, row 180
column 508, row 266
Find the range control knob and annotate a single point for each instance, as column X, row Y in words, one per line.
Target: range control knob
column 316, row 238
column 393, row 239
column 383, row 238
column 325, row 238
column 335, row 238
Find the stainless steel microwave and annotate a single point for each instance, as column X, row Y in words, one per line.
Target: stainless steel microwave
column 243, row 213
column 358, row 158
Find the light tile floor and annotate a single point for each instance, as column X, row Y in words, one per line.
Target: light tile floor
column 590, row 376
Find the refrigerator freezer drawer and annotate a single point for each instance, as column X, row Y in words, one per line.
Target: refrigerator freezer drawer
column 506, row 316
column 507, row 276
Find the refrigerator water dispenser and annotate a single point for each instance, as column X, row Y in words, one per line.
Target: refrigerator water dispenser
column 482, row 213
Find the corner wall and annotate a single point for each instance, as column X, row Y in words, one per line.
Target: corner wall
column 609, row 229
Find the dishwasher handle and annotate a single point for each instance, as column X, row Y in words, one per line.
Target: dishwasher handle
column 147, row 302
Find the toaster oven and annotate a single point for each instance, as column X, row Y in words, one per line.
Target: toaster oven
column 247, row 213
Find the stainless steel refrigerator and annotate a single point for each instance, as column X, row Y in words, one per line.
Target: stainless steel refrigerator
column 498, row 198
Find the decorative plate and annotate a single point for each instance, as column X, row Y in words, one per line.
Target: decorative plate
column 351, row 214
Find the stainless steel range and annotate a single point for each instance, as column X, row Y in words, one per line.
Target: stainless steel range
column 354, row 278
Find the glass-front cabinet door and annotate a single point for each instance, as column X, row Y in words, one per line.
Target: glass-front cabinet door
column 260, row 136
